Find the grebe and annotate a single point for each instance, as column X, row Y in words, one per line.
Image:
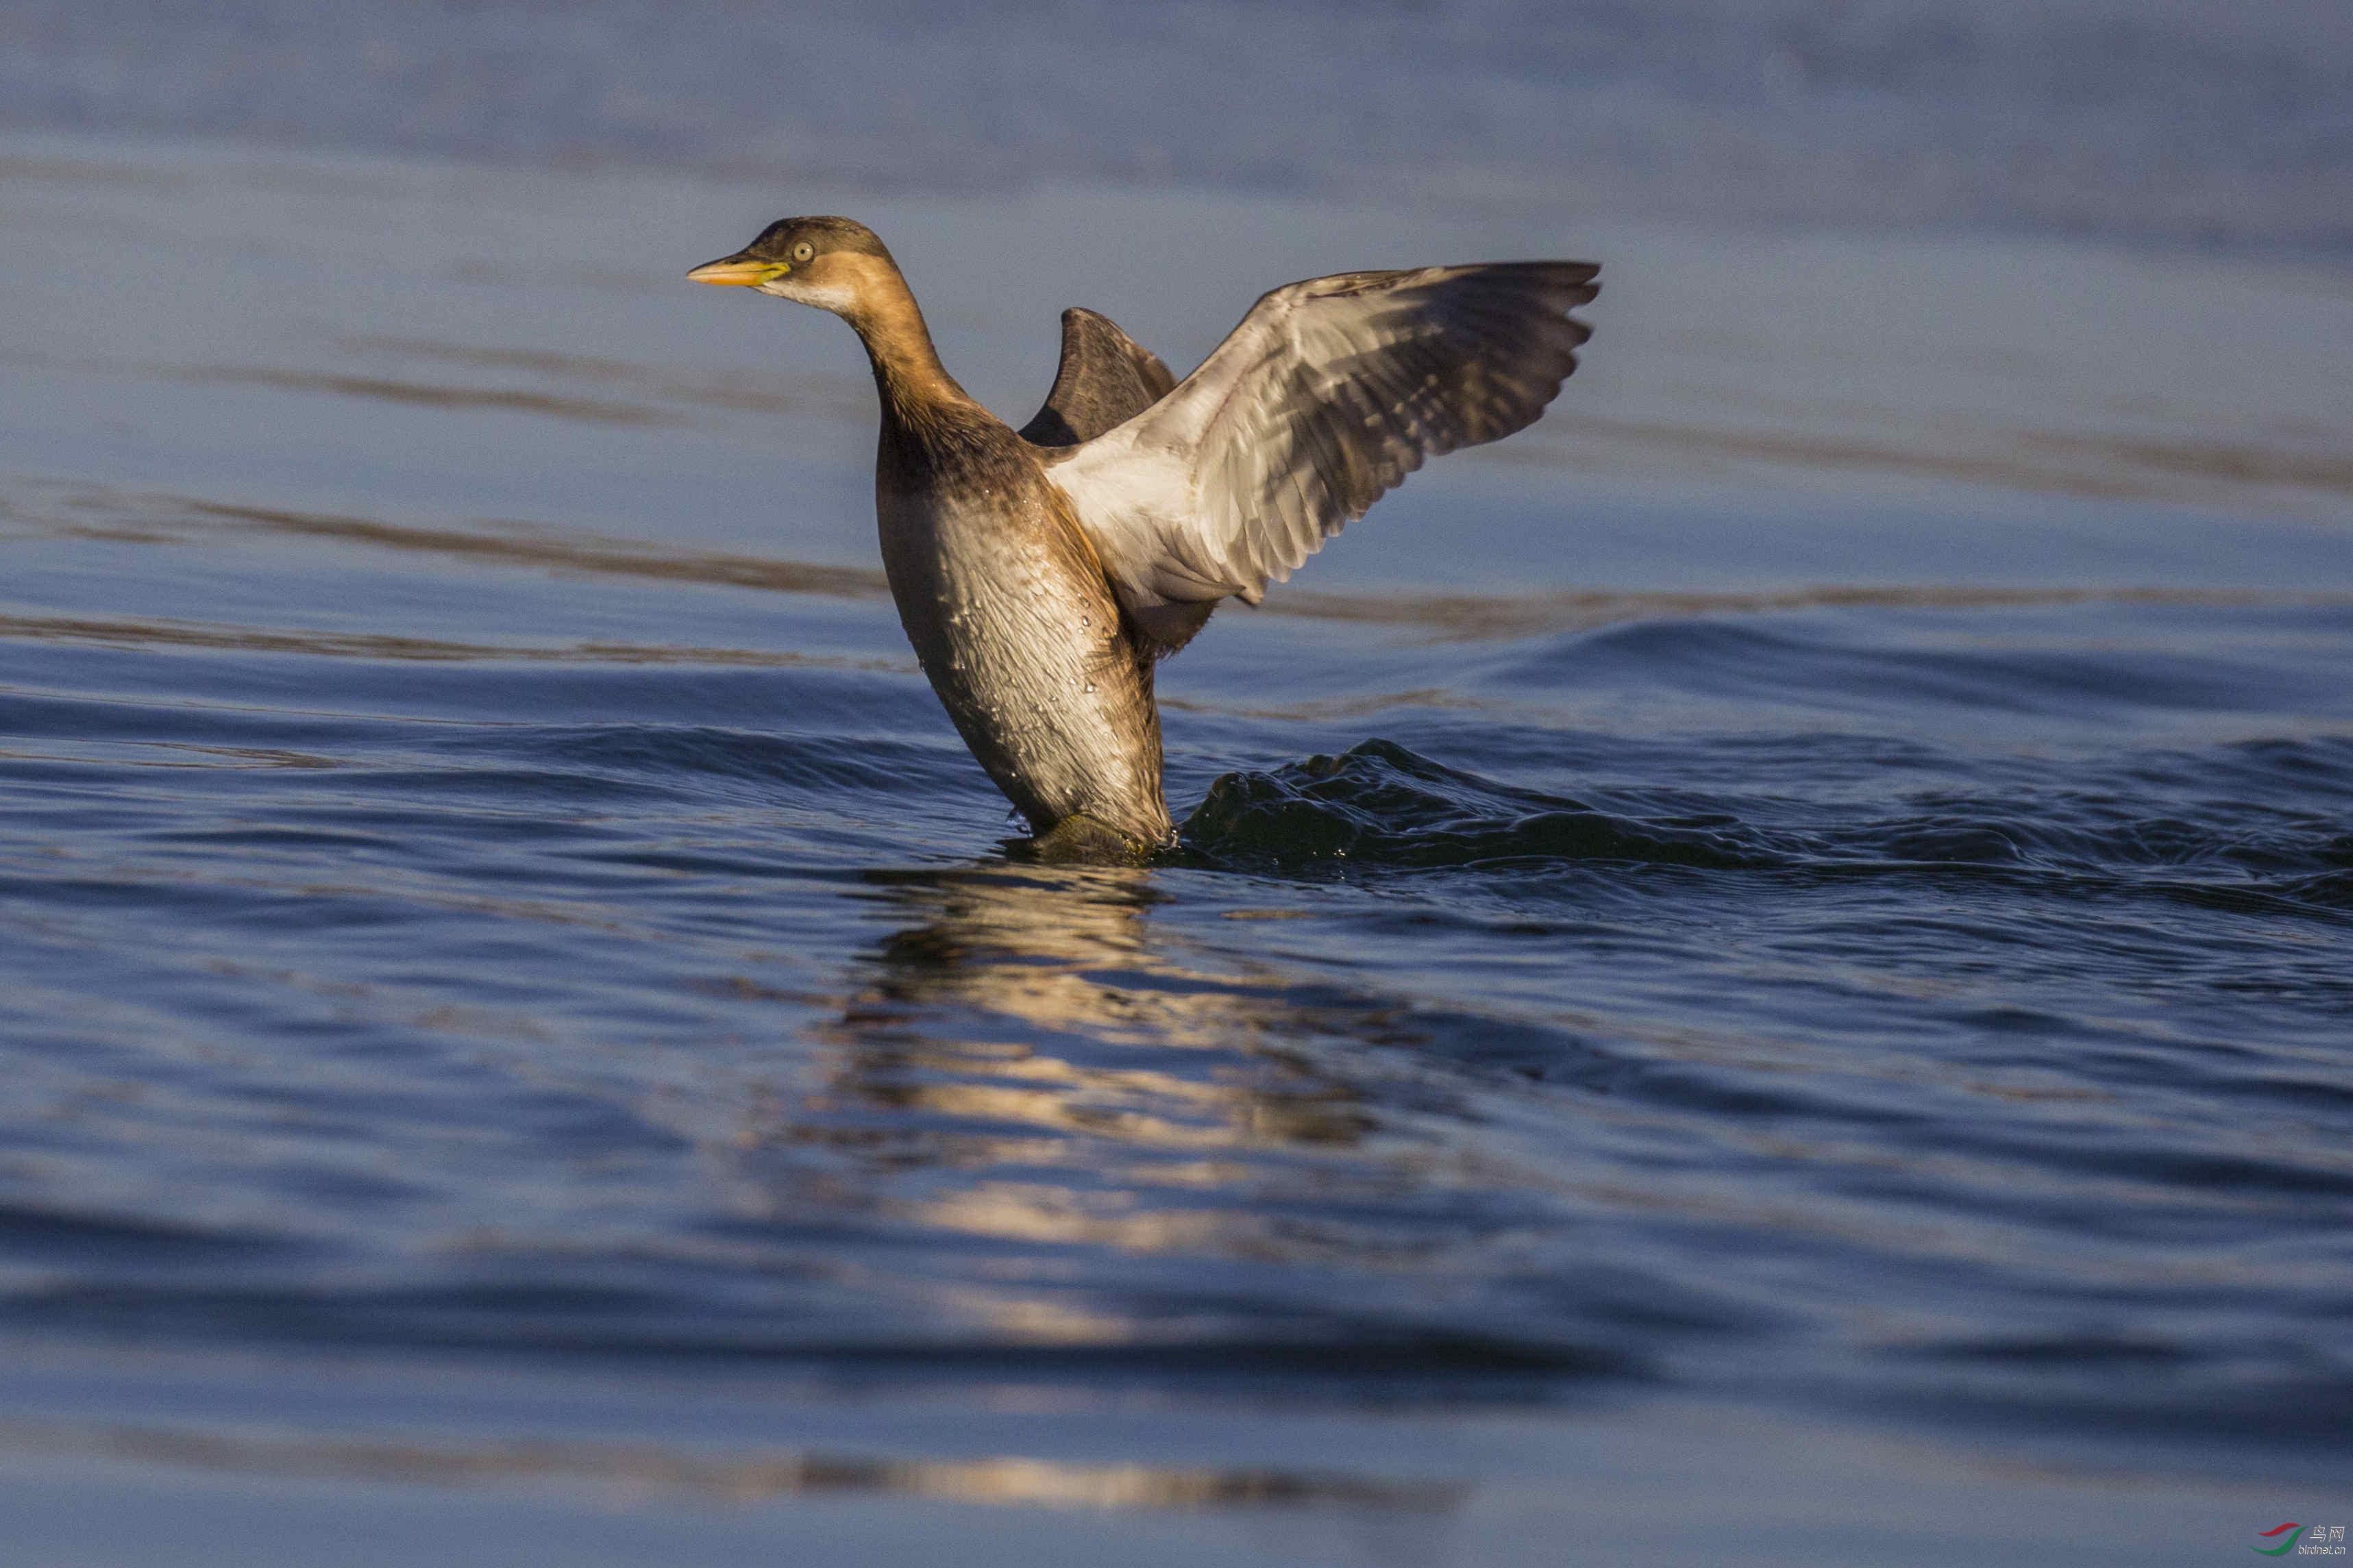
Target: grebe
column 1041, row 573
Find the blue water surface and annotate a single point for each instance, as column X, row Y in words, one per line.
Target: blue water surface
column 484, row 885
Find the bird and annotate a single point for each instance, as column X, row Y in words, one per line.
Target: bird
column 1042, row 574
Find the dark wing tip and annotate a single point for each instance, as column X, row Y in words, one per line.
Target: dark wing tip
column 1581, row 280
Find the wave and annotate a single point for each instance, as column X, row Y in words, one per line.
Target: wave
column 1378, row 805
column 1380, row 802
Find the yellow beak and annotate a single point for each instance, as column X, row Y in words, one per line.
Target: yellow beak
column 749, row 272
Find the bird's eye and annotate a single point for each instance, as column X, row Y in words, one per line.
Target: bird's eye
column 803, row 251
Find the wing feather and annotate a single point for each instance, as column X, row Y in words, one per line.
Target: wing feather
column 1104, row 377
column 1324, row 399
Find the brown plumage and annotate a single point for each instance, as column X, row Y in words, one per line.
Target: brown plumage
column 1040, row 574
column 1106, row 378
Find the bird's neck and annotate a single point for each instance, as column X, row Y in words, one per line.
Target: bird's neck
column 907, row 369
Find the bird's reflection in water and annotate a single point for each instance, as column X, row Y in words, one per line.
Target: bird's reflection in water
column 1033, row 1079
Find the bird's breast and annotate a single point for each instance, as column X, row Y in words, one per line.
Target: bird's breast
column 1017, row 629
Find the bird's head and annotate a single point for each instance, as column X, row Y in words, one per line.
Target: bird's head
column 830, row 262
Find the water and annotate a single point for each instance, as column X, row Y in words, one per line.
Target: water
column 2171, row 120
column 1780, row 941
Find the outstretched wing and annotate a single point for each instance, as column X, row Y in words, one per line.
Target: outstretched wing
column 1105, row 379
column 1329, row 393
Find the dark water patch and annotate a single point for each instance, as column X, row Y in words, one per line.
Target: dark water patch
column 2270, row 767
column 57, row 1236
column 1675, row 772
column 87, row 717
column 819, row 764
column 1380, row 804
column 508, row 788
column 296, row 840
column 2323, row 1176
column 1337, row 1357
column 2057, row 1350
column 2329, row 889
column 809, row 700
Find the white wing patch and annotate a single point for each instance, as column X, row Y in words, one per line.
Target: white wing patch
column 1325, row 396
